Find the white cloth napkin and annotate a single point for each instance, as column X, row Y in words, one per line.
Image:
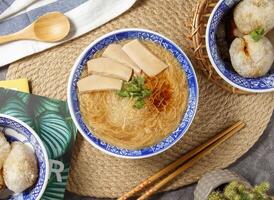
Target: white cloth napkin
column 85, row 15
column 11, row 7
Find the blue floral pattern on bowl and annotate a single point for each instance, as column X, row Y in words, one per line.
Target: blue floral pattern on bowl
column 16, row 130
column 261, row 84
column 116, row 37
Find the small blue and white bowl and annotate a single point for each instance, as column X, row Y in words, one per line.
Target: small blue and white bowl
column 257, row 85
column 16, row 130
column 114, row 37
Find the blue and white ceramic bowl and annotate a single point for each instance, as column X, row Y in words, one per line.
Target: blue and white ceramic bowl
column 101, row 43
column 16, row 130
column 262, row 84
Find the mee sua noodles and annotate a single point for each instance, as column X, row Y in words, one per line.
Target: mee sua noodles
column 139, row 112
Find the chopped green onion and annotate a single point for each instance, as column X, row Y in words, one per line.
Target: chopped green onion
column 140, row 81
column 135, row 94
column 257, row 34
column 133, row 88
column 139, row 104
column 123, row 93
column 136, row 89
column 146, row 93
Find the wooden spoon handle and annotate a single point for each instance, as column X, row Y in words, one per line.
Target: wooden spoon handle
column 25, row 33
column 8, row 38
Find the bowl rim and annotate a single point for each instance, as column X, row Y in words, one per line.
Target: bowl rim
column 70, row 105
column 208, row 49
column 47, row 173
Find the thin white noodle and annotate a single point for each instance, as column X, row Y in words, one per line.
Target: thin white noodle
column 114, row 120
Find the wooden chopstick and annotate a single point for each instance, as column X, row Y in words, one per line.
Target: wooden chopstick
column 171, row 167
column 189, row 163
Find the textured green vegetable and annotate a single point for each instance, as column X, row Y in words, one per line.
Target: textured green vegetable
column 135, row 89
column 257, row 34
column 238, row 191
column 216, row 196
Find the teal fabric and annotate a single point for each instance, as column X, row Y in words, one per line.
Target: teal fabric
column 51, row 120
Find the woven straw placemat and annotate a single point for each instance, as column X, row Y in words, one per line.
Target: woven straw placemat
column 96, row 174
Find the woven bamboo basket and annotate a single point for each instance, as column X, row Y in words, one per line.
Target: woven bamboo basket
column 200, row 19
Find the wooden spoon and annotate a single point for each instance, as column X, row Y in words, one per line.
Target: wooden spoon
column 51, row 27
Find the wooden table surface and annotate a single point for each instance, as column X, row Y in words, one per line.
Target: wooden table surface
column 256, row 165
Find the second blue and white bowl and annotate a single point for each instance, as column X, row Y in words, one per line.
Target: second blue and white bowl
column 16, row 130
column 262, row 84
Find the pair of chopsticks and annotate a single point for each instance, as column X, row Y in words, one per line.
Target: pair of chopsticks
column 182, row 164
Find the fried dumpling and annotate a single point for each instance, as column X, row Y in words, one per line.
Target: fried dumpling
column 250, row 15
column 20, row 168
column 4, row 149
column 251, row 58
